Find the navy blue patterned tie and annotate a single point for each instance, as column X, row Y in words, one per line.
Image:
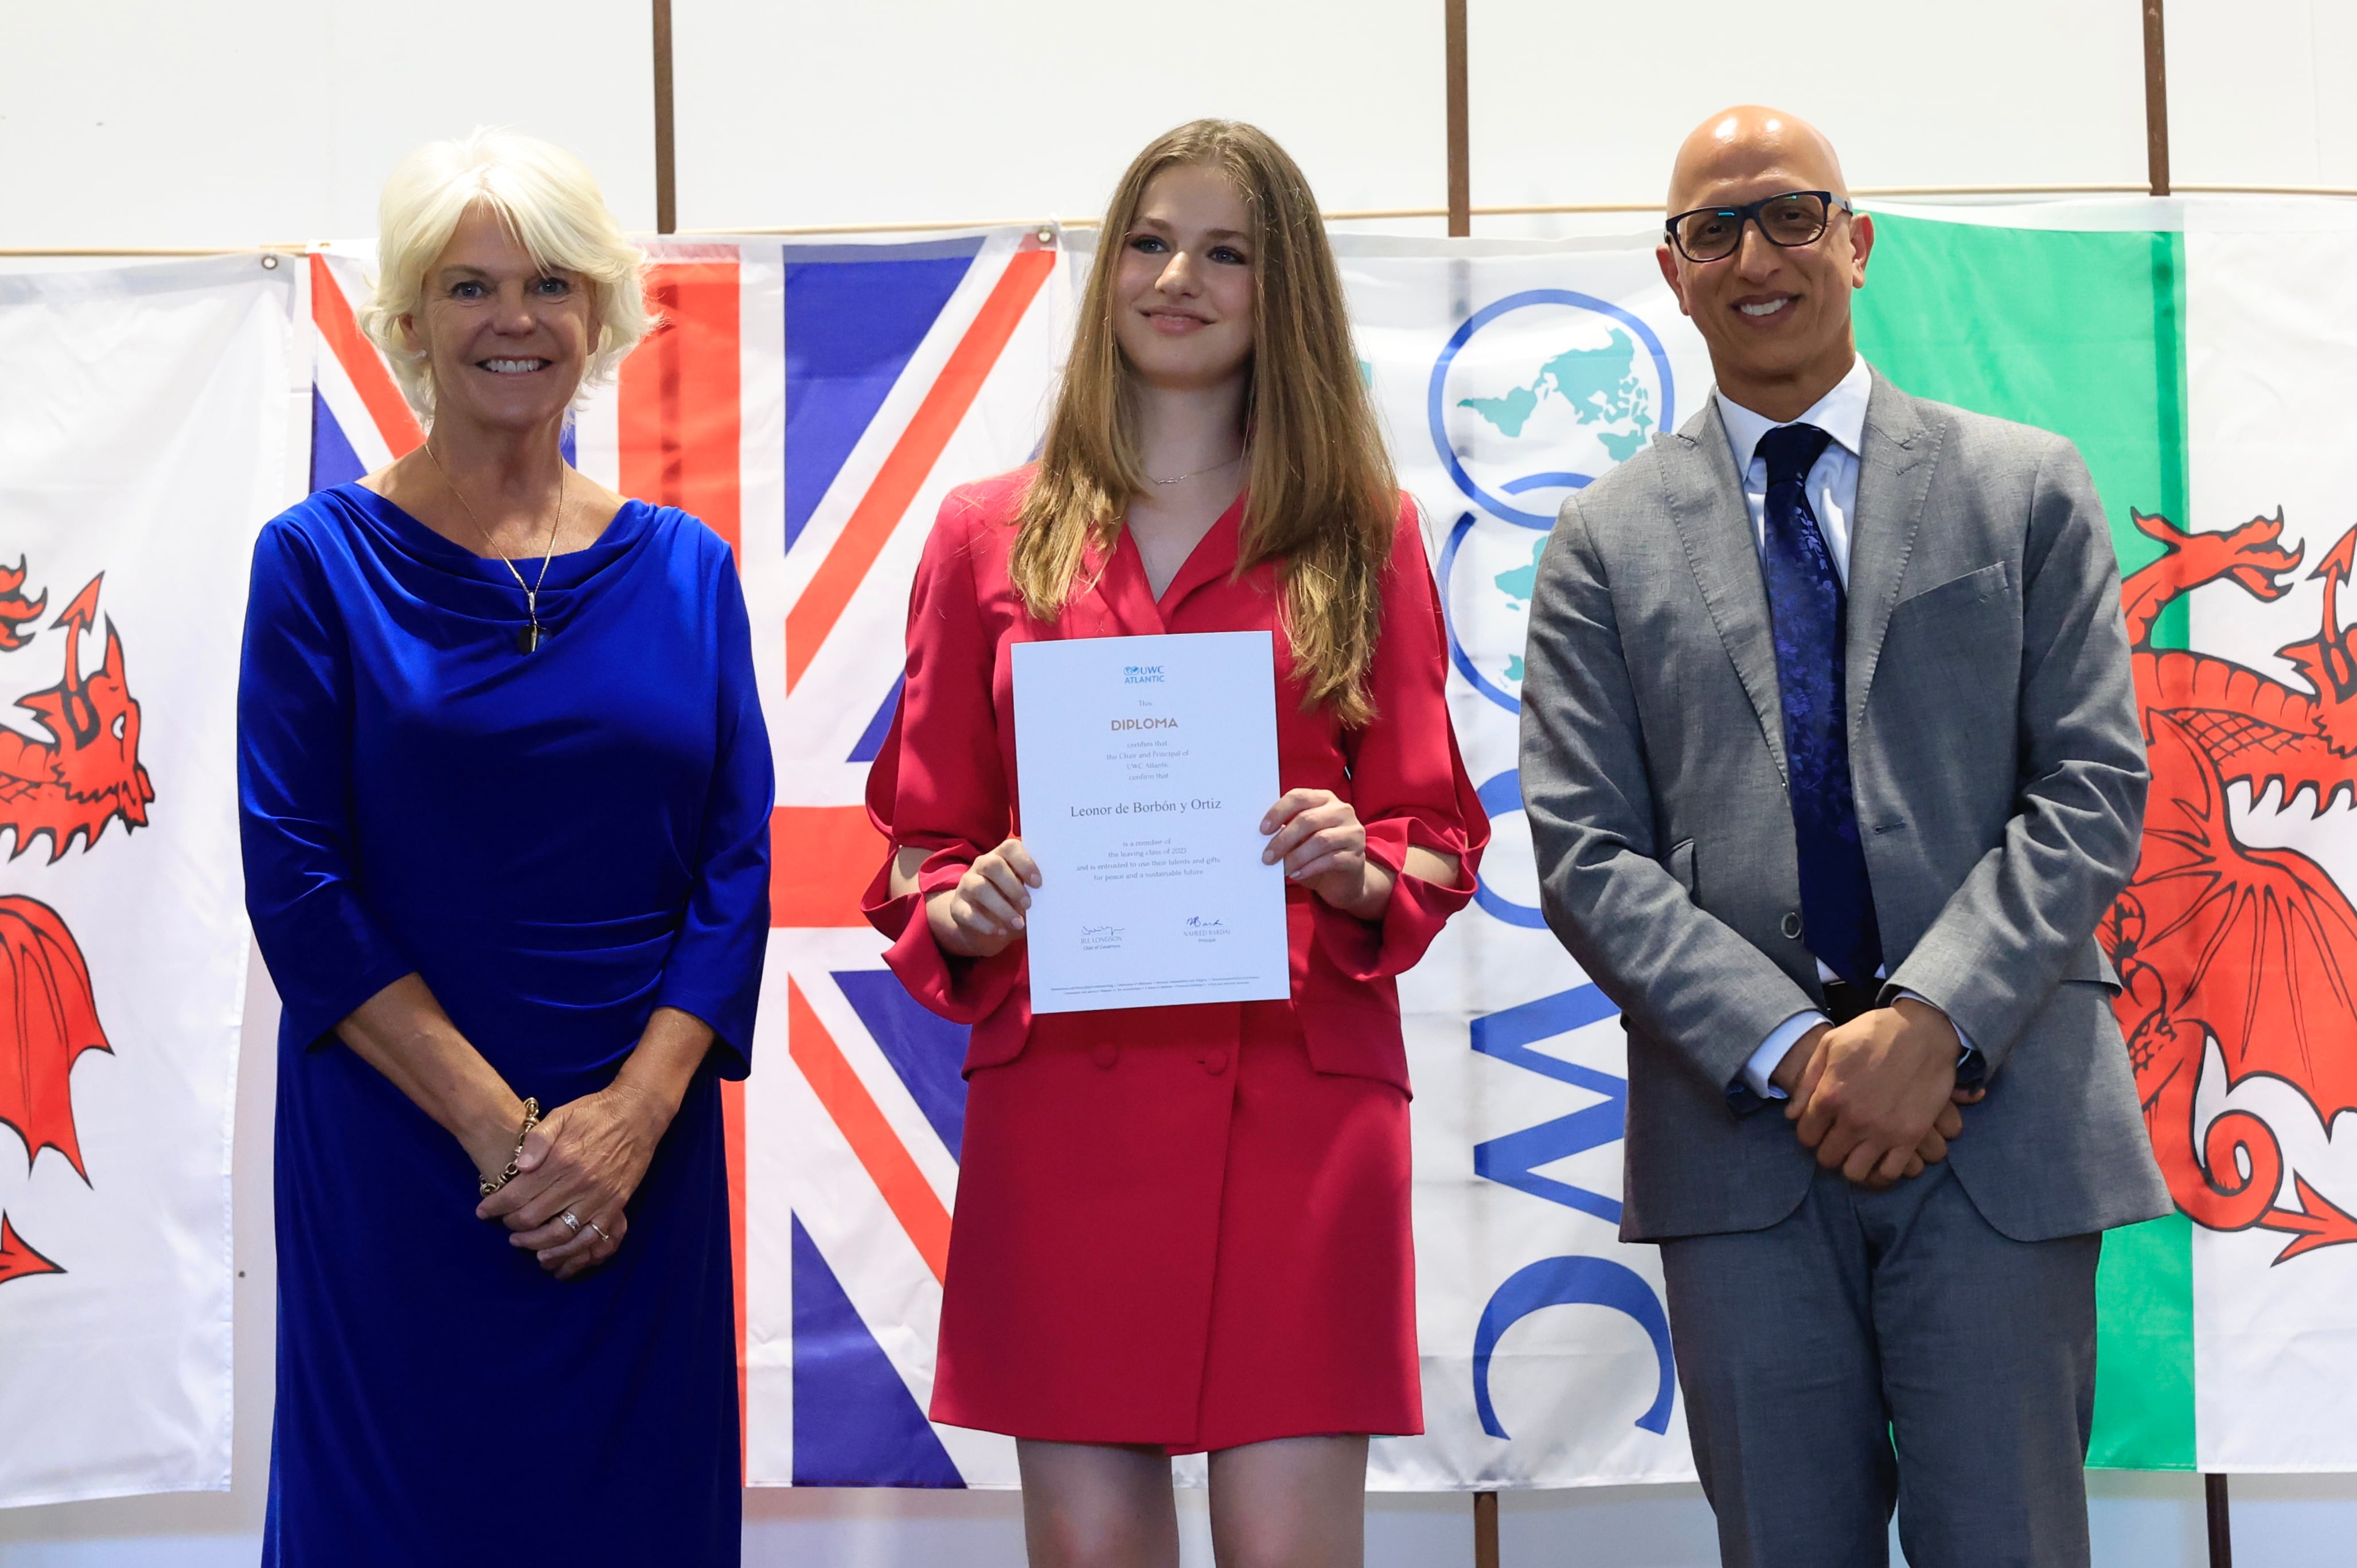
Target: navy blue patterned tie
column 1806, row 608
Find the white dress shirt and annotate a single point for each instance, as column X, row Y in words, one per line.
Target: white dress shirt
column 1831, row 486
column 1831, row 482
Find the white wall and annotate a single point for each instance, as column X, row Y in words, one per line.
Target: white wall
column 160, row 122
column 236, row 121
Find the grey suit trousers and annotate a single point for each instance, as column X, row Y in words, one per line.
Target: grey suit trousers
column 1868, row 1320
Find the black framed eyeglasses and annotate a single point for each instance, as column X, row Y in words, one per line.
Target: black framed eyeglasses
column 1795, row 217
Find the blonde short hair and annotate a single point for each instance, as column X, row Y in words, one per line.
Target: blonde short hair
column 551, row 203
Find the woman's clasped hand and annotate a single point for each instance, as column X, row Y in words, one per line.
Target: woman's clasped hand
column 1314, row 832
column 580, row 1165
column 585, row 1159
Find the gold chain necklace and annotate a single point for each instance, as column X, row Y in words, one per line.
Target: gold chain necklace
column 1212, row 469
column 529, row 637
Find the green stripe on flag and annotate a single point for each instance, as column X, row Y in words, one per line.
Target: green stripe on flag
column 2143, row 1347
column 2082, row 333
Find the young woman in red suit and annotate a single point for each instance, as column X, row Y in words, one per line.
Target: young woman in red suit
column 1186, row 1228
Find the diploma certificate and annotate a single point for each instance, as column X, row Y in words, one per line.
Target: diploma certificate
column 1145, row 766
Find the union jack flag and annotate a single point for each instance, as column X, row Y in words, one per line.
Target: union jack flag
column 813, row 403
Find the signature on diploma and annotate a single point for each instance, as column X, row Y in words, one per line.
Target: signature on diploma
column 1204, row 927
column 1098, row 939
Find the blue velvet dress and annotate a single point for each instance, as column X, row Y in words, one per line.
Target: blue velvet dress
column 559, row 842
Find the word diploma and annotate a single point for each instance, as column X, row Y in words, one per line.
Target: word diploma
column 1146, row 765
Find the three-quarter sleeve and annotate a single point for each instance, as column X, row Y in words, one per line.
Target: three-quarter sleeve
column 939, row 783
column 327, row 951
column 1408, row 783
column 714, row 969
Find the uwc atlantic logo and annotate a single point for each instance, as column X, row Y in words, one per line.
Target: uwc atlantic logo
column 1141, row 675
column 1537, row 395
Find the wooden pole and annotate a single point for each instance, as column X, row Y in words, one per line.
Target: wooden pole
column 2155, row 100
column 1460, row 223
column 666, row 161
column 1485, row 1530
column 1453, row 27
column 2156, row 156
column 1460, row 178
column 2221, row 1533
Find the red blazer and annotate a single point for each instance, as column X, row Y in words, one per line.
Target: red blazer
column 945, row 778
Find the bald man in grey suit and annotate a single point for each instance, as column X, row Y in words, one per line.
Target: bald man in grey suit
column 1831, row 756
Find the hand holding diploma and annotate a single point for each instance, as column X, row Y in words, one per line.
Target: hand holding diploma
column 1324, row 847
column 983, row 912
column 1315, row 832
column 1137, row 758
column 1319, row 837
column 1161, row 904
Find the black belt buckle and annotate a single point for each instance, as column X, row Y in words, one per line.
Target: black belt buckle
column 1844, row 1002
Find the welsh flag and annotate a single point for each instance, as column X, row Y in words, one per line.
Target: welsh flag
column 144, row 438
column 2206, row 371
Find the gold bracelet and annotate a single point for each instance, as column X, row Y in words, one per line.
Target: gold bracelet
column 531, row 1120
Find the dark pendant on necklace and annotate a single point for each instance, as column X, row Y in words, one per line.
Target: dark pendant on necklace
column 529, row 638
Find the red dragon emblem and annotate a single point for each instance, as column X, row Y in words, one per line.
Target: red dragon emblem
column 2214, row 940
column 85, row 775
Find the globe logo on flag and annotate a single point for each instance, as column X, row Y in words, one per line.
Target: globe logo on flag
column 1541, row 392
column 1534, row 395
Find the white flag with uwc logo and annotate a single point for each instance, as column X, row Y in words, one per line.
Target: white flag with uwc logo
column 1506, row 381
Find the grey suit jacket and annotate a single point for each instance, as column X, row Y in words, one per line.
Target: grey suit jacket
column 1999, row 772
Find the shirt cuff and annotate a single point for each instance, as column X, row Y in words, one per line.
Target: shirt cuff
column 1970, row 1066
column 1770, row 1055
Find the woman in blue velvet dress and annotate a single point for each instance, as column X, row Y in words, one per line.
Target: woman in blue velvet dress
column 506, row 793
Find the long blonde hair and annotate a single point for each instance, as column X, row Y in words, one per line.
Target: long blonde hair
column 1319, row 495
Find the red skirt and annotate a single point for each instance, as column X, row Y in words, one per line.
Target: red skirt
column 1172, row 1230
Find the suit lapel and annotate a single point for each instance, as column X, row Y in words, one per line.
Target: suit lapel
column 1894, row 475
column 1704, row 495
column 1213, row 558
column 1122, row 585
column 1121, row 590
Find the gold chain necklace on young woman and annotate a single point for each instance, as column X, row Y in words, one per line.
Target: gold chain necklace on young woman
column 1212, row 469
column 529, row 637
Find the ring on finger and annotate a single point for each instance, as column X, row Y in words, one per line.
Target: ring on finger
column 600, row 1229
column 569, row 1223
